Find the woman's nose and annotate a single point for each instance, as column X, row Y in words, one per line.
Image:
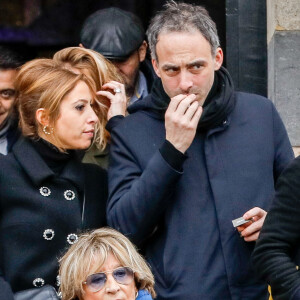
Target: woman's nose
column 93, row 118
column 111, row 286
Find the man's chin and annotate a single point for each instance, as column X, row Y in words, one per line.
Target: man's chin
column 129, row 90
column 201, row 101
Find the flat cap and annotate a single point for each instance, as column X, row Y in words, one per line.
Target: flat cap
column 113, row 32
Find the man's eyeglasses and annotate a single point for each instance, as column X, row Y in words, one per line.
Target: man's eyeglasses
column 122, row 275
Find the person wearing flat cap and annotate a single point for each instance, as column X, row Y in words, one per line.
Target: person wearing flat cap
column 120, row 37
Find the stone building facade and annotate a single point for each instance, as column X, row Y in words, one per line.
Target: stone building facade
column 283, row 42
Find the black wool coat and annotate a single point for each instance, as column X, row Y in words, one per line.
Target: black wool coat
column 41, row 214
column 277, row 251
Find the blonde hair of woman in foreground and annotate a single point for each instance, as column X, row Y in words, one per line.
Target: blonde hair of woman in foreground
column 104, row 264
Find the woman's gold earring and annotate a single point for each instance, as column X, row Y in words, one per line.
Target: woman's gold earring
column 46, row 131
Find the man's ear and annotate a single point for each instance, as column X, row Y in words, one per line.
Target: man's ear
column 218, row 58
column 155, row 67
column 142, row 51
column 42, row 117
column 81, row 46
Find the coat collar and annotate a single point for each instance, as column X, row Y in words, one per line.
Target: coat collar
column 37, row 169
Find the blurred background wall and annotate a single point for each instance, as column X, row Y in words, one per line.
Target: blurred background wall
column 283, row 37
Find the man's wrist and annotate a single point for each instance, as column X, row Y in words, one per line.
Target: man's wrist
column 172, row 156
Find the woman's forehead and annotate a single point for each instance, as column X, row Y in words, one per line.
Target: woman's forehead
column 101, row 262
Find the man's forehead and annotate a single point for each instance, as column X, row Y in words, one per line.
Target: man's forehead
column 186, row 46
column 7, row 77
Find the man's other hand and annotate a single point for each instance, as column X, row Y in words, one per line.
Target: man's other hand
column 250, row 231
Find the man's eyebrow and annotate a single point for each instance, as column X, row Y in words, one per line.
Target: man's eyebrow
column 169, row 66
column 196, row 62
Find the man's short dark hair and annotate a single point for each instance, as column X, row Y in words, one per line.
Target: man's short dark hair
column 182, row 17
column 10, row 58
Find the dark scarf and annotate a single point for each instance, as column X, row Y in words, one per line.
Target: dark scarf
column 55, row 159
column 217, row 106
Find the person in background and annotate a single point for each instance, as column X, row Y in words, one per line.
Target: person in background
column 120, row 37
column 102, row 265
column 190, row 158
column 110, row 90
column 10, row 61
column 47, row 195
column 276, row 255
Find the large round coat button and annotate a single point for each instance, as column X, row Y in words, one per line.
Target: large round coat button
column 38, row 282
column 72, row 238
column 45, row 191
column 69, row 195
column 58, row 280
column 48, row 234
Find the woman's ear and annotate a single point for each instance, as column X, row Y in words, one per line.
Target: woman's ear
column 42, row 117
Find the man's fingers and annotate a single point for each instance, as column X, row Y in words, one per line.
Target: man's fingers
column 254, row 212
column 185, row 104
column 256, row 216
column 197, row 116
column 191, row 110
column 254, row 227
column 252, row 238
column 251, row 229
column 175, row 102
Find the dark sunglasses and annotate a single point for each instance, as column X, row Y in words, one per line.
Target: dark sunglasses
column 122, row 275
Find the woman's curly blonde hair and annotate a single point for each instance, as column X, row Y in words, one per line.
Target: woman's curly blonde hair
column 100, row 71
column 90, row 253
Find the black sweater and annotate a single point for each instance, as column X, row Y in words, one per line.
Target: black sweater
column 277, row 251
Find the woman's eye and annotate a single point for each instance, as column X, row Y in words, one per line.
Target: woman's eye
column 98, row 279
column 80, row 107
column 120, row 273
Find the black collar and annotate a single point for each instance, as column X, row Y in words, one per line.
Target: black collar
column 38, row 170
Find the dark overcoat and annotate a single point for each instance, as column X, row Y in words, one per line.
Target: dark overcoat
column 185, row 217
column 277, row 252
column 41, row 215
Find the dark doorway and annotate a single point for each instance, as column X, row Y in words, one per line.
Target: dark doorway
column 53, row 24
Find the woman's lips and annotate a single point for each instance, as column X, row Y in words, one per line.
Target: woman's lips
column 89, row 133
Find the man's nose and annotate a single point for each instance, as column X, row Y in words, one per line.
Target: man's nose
column 111, row 286
column 186, row 81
